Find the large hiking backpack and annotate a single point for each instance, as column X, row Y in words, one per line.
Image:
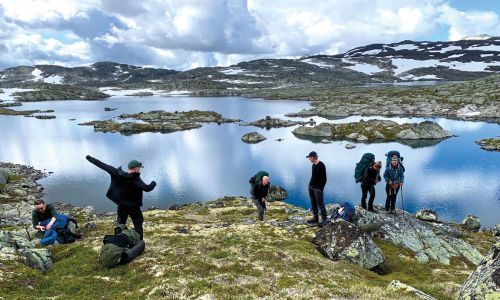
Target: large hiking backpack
column 69, row 233
column 389, row 156
column 346, row 212
column 255, row 179
column 367, row 160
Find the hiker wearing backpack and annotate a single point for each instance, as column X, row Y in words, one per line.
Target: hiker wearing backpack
column 121, row 247
column 125, row 190
column 259, row 190
column 316, row 187
column 394, row 177
column 371, row 176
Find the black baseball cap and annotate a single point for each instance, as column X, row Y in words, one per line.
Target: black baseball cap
column 313, row 154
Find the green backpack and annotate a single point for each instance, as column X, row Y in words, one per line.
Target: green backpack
column 366, row 160
column 110, row 255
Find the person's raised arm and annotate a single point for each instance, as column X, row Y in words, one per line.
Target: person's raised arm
column 145, row 187
column 101, row 165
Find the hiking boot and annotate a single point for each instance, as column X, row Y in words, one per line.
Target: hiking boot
column 313, row 220
column 371, row 209
column 363, row 205
column 392, row 212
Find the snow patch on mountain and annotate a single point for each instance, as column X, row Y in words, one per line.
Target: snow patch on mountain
column 37, row 74
column 362, row 67
column 54, row 79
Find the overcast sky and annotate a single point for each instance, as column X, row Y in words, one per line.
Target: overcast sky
column 183, row 34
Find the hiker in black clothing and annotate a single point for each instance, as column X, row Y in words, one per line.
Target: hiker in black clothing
column 371, row 177
column 259, row 191
column 126, row 190
column 316, row 186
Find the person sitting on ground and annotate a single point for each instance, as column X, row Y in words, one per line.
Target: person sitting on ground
column 121, row 247
column 370, row 178
column 394, row 176
column 259, row 191
column 43, row 214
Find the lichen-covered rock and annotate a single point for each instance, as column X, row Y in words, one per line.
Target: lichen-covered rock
column 4, row 176
column 492, row 144
column 18, row 247
column 398, row 286
column 427, row 240
column 484, row 282
column 253, row 138
column 321, row 130
column 269, row 122
column 277, row 193
column 426, row 215
column 343, row 240
column 472, row 223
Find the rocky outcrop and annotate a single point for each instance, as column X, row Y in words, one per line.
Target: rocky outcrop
column 269, row 123
column 4, row 176
column 253, row 138
column 472, row 223
column 426, row 215
column 343, row 240
column 159, row 121
column 484, row 282
column 427, row 240
column 373, row 130
column 16, row 246
column 277, row 193
column 398, row 286
column 492, row 144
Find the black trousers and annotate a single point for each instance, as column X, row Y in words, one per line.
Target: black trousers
column 135, row 214
column 317, row 202
column 365, row 189
column 390, row 202
column 261, row 206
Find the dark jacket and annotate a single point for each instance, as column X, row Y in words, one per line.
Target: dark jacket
column 318, row 176
column 260, row 191
column 125, row 188
column 371, row 176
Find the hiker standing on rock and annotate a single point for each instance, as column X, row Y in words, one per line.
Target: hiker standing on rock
column 316, row 186
column 371, row 177
column 259, row 190
column 394, row 176
column 126, row 190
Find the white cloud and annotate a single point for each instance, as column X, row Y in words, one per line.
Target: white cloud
column 192, row 33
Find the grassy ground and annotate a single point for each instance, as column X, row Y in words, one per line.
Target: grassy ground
column 215, row 252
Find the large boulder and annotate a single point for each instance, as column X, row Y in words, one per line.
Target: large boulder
column 426, row 215
column 321, row 130
column 19, row 247
column 277, row 193
column 253, row 138
column 428, row 240
column 484, row 282
column 343, row 240
column 472, row 223
column 398, row 286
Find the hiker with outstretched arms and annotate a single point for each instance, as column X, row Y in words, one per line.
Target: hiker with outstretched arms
column 125, row 190
column 394, row 177
column 371, row 177
column 316, row 187
column 259, row 190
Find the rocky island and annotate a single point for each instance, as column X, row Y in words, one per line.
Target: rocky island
column 373, row 130
column 159, row 121
column 207, row 250
column 492, row 144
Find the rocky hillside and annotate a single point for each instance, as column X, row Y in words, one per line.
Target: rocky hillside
column 218, row 250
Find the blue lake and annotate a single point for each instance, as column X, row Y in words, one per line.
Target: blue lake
column 454, row 177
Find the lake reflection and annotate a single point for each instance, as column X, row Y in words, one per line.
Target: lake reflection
column 454, row 177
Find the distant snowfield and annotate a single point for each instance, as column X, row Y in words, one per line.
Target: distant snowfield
column 114, row 92
column 7, row 93
column 54, row 79
column 405, row 47
column 317, row 63
column 37, row 73
column 362, row 67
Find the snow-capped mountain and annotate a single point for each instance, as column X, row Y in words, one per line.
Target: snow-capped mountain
column 468, row 58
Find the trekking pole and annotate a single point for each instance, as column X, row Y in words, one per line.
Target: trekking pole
column 402, row 200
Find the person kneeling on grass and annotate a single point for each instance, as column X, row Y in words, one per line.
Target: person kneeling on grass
column 53, row 227
column 121, row 247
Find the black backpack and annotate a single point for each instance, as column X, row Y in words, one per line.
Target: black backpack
column 65, row 235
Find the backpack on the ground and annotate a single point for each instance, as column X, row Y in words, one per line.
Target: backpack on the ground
column 389, row 156
column 346, row 212
column 69, row 233
column 120, row 248
column 255, row 179
column 367, row 160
